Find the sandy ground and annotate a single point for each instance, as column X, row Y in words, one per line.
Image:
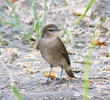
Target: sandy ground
column 27, row 66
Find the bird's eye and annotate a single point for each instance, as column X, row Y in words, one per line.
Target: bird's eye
column 50, row 30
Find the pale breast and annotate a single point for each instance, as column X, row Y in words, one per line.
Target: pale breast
column 49, row 51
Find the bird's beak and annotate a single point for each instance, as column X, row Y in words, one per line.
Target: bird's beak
column 58, row 29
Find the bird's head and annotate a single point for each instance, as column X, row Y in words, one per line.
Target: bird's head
column 50, row 30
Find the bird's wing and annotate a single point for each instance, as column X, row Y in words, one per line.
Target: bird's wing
column 63, row 50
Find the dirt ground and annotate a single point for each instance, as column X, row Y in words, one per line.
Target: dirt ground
column 19, row 59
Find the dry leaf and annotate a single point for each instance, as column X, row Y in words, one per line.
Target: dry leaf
column 52, row 74
column 23, row 94
column 106, row 69
column 13, row 0
column 99, row 43
column 91, row 82
column 29, row 72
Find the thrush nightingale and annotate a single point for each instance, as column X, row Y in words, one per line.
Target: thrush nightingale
column 53, row 50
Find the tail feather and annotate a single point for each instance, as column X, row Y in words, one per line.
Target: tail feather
column 69, row 73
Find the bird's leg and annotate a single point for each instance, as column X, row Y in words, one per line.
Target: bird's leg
column 60, row 81
column 61, row 72
column 49, row 73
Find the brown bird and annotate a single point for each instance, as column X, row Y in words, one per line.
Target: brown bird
column 53, row 50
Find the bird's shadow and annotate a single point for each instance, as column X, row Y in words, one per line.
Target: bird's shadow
column 58, row 81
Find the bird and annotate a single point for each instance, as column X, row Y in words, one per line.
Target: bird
column 53, row 50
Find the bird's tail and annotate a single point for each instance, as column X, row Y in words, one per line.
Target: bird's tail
column 69, row 71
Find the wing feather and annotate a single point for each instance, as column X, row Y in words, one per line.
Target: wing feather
column 63, row 50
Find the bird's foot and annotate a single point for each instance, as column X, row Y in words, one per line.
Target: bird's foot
column 46, row 83
column 60, row 81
